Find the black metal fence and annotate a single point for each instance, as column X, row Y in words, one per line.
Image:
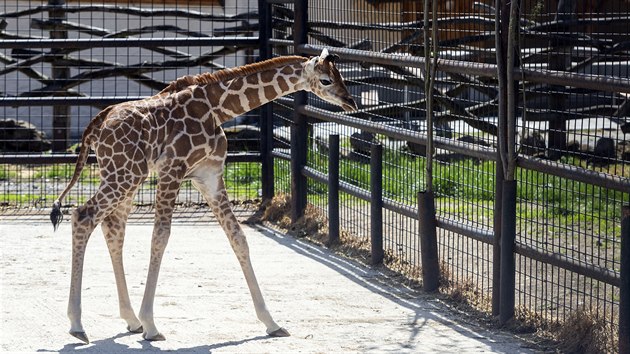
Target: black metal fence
column 519, row 155
column 64, row 62
column 528, row 148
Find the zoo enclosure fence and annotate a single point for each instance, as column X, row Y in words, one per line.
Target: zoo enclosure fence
column 540, row 166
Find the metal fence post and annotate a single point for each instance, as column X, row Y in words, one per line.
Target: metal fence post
column 61, row 113
column 299, row 128
column 333, row 189
column 376, row 207
column 428, row 242
column 508, row 236
column 266, row 111
column 624, row 288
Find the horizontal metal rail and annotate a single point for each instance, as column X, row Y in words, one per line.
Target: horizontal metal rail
column 588, row 270
column 72, row 158
column 66, row 101
column 406, row 210
column 483, row 235
column 86, row 43
column 551, row 77
column 561, row 170
column 457, row 146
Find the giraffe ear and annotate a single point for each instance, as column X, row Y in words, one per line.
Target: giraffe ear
column 310, row 65
column 324, row 54
column 331, row 58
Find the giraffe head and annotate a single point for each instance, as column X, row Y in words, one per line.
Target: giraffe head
column 324, row 80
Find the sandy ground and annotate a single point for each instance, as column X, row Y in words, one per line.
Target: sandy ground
column 329, row 304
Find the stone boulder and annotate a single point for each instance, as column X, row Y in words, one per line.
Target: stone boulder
column 21, row 136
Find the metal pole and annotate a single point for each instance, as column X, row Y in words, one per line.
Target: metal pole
column 333, row 189
column 266, row 111
column 61, row 113
column 376, row 208
column 508, row 237
column 299, row 128
column 624, row 288
column 428, row 242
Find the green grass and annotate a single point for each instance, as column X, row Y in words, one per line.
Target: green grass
column 467, row 188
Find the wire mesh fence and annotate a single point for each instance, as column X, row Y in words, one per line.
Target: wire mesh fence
column 569, row 135
column 570, row 124
column 62, row 62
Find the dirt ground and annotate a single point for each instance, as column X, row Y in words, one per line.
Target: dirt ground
column 328, row 303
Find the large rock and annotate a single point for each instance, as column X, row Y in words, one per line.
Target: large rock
column 21, row 136
column 532, row 143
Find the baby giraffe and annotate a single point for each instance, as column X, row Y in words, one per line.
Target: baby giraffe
column 177, row 133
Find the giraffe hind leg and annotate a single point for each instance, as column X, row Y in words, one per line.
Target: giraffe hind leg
column 114, row 231
column 84, row 219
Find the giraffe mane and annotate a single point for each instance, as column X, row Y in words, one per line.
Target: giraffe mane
column 230, row 73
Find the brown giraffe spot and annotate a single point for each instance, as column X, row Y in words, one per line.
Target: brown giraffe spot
column 184, row 96
column 252, row 95
column 293, row 79
column 199, row 93
column 182, row 145
column 235, row 85
column 283, row 84
column 253, row 79
column 198, row 139
column 197, row 108
column 233, row 103
column 267, row 76
column 270, row 92
column 287, row 70
column 178, row 113
column 193, row 126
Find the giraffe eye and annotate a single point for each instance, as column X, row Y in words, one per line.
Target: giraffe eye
column 325, row 82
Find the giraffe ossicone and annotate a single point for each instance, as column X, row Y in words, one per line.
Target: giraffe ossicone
column 177, row 133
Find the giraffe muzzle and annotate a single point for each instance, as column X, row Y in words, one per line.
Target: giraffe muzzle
column 349, row 105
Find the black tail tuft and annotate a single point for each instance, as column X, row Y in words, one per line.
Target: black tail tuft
column 55, row 215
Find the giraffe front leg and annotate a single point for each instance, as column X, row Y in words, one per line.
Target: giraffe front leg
column 213, row 189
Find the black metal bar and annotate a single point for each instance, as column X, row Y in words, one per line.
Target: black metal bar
column 428, row 242
column 624, row 287
column 472, row 150
column 482, row 235
column 553, row 168
column 333, row 189
column 266, row 111
column 588, row 270
column 66, row 101
column 496, row 239
column 72, row 158
column 86, row 43
column 508, row 236
column 376, row 205
column 299, row 128
column 552, row 77
column 60, row 114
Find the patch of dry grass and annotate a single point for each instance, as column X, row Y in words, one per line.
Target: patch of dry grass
column 584, row 331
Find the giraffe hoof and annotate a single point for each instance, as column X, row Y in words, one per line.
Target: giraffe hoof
column 155, row 338
column 81, row 336
column 137, row 330
column 280, row 332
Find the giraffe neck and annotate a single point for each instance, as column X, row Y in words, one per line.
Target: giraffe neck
column 243, row 94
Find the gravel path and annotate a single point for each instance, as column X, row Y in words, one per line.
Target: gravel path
column 329, row 304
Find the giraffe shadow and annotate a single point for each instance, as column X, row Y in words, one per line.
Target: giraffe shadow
column 110, row 346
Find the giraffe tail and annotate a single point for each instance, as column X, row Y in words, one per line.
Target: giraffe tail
column 56, row 216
